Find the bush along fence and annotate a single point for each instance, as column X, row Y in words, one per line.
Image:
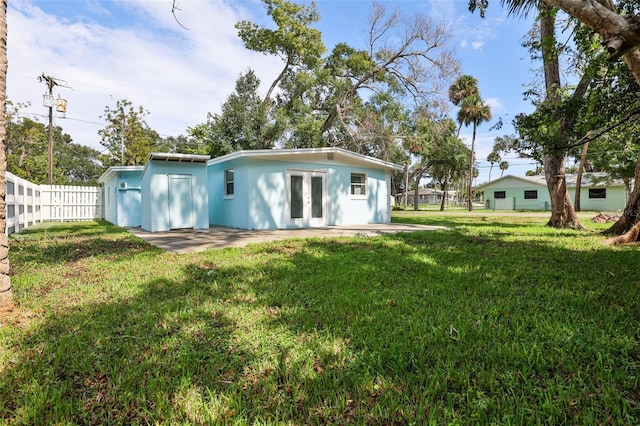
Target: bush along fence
column 28, row 203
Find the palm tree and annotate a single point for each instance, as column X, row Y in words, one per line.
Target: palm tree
column 504, row 165
column 463, row 87
column 473, row 111
column 493, row 158
column 5, row 279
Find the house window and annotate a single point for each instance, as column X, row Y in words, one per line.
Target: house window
column 598, row 193
column 228, row 183
column 531, row 195
column 499, row 194
column 358, row 184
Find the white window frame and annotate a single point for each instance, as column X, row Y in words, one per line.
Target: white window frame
column 226, row 183
column 362, row 186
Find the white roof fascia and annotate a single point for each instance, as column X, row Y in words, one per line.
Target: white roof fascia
column 304, row 151
column 115, row 169
column 186, row 158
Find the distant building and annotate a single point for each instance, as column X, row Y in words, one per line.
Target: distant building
column 597, row 193
column 426, row 196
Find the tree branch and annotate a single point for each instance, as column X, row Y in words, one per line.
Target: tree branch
column 620, row 33
column 591, row 136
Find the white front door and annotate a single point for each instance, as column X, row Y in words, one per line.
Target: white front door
column 307, row 197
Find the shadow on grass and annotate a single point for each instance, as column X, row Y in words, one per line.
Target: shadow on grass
column 405, row 328
column 124, row 361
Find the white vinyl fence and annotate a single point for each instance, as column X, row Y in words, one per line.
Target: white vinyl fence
column 28, row 203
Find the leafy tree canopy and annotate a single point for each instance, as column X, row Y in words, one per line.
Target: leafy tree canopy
column 27, row 150
column 128, row 138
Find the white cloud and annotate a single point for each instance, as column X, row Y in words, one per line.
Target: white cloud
column 178, row 75
column 495, row 104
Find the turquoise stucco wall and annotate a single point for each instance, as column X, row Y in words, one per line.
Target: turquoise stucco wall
column 123, row 205
column 260, row 199
column 158, row 214
column 229, row 211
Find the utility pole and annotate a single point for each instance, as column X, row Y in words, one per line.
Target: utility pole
column 48, row 102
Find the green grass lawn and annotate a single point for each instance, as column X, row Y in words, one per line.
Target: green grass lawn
column 499, row 320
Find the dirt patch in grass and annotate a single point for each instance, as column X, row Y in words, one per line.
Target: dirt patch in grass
column 13, row 316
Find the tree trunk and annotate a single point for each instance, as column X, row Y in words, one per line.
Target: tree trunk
column 470, row 185
column 583, row 159
column 405, row 192
column 267, row 102
column 630, row 215
column 416, row 193
column 444, row 193
column 562, row 213
column 5, row 279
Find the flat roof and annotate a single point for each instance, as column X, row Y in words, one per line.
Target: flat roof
column 183, row 158
column 303, row 154
column 115, row 169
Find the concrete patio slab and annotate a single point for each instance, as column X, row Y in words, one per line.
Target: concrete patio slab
column 194, row 240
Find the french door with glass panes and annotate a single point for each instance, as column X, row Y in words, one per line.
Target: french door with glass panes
column 307, row 197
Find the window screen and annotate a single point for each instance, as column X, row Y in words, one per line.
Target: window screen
column 598, row 193
column 228, row 183
column 358, row 184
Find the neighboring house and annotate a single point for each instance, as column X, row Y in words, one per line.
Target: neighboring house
column 426, row 196
column 530, row 193
column 262, row 189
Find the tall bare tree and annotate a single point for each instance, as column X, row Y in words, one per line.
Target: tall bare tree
column 5, row 279
column 411, row 53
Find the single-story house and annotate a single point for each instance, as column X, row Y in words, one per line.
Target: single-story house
column 261, row 189
column 597, row 193
column 426, row 196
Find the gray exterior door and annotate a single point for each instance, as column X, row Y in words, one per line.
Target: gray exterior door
column 180, row 202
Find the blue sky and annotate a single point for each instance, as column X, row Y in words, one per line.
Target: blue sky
column 134, row 49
